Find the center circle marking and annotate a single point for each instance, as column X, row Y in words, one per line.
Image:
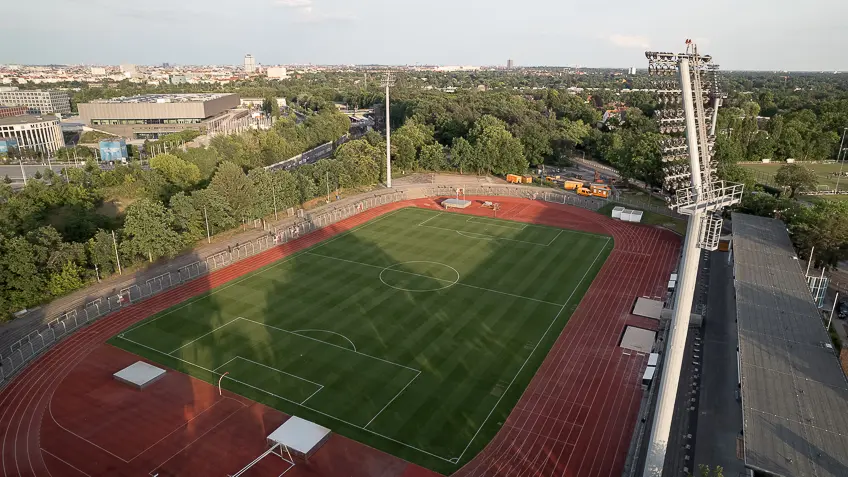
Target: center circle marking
column 447, row 283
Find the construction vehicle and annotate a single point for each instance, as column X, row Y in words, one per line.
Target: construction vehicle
column 572, row 185
column 513, row 178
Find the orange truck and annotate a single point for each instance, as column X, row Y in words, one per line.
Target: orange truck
column 513, row 178
column 528, row 179
column 572, row 185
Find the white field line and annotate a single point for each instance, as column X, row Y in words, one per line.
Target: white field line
column 297, row 332
column 484, row 221
column 329, row 344
column 259, row 272
column 487, row 236
column 279, row 371
column 310, row 396
column 198, row 437
column 204, row 335
column 431, row 218
column 393, row 399
column 556, row 237
column 63, row 461
column 533, row 350
column 437, row 279
column 297, row 403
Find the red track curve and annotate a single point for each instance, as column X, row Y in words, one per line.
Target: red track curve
column 575, row 419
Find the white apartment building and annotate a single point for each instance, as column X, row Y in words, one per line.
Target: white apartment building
column 45, row 102
column 249, row 64
column 34, row 133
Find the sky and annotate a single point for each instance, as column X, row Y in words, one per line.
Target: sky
column 793, row 35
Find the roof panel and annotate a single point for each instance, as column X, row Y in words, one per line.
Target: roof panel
column 794, row 393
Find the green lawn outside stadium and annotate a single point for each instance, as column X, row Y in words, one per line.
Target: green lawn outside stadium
column 415, row 333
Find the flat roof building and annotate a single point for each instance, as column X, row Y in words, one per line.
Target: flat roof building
column 42, row 102
column 39, row 134
column 151, row 115
column 9, row 111
column 794, row 392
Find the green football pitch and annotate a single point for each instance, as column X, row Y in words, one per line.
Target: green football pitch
column 415, row 333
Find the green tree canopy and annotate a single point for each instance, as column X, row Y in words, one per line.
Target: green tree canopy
column 796, row 177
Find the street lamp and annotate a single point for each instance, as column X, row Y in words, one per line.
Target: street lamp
column 688, row 169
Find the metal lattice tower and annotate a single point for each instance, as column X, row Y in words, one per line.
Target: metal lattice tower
column 387, row 82
column 687, row 84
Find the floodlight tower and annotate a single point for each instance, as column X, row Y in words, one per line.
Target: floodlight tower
column 387, row 82
column 688, row 170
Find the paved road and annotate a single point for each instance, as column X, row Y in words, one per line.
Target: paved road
column 720, row 414
column 14, row 172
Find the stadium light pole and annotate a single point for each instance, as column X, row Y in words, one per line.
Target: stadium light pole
column 387, row 82
column 688, row 179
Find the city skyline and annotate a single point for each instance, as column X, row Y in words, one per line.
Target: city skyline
column 759, row 35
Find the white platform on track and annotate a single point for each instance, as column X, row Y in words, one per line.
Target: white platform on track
column 638, row 339
column 139, row 374
column 300, row 436
column 648, row 308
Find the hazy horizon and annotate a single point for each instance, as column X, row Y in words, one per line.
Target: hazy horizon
column 761, row 35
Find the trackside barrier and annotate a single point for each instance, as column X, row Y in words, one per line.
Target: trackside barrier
column 41, row 336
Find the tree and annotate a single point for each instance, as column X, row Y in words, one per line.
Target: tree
column 148, row 231
column 7, row 179
column 432, row 157
column 825, row 227
column 270, row 107
column 231, row 184
column 66, row 280
column 496, row 150
column 101, row 252
column 462, row 154
column 796, row 177
column 188, row 221
column 360, row 163
column 176, row 170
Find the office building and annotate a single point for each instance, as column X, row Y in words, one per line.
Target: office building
column 9, row 111
column 41, row 102
column 276, row 72
column 152, row 115
column 41, row 134
column 249, row 64
column 632, row 70
column 509, row 64
column 98, row 71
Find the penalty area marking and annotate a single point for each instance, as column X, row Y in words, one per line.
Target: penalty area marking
column 447, row 283
column 488, row 222
column 298, row 332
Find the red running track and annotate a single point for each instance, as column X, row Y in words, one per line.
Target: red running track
column 64, row 415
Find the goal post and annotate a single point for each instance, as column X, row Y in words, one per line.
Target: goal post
column 278, row 449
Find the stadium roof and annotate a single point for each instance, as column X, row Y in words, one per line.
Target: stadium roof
column 794, row 393
column 165, row 98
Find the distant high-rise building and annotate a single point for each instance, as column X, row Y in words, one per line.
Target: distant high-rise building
column 249, row 64
column 276, row 72
column 632, row 70
column 509, row 64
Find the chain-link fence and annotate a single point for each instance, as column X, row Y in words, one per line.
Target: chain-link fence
column 41, row 336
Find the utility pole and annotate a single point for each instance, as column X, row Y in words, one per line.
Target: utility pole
column 206, row 218
column 328, row 187
column 840, row 159
column 388, row 82
column 274, row 197
column 117, row 258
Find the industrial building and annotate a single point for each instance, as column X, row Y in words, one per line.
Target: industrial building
column 30, row 133
column 41, row 102
column 276, row 72
column 151, row 115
